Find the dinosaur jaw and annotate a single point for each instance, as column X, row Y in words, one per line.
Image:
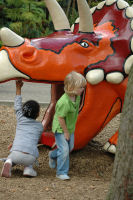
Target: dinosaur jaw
column 7, row 70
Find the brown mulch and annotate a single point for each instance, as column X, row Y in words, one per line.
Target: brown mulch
column 90, row 168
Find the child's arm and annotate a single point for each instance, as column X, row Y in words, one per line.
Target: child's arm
column 19, row 85
column 9, row 146
column 64, row 127
column 18, row 99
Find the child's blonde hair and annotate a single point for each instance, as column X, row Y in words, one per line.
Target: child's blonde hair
column 73, row 81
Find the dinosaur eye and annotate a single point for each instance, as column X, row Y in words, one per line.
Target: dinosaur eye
column 84, row 44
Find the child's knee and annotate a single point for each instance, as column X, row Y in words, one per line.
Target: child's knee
column 64, row 152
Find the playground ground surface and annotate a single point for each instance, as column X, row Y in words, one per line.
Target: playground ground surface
column 90, row 168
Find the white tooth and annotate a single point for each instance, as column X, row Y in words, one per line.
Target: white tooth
column 7, row 71
column 129, row 12
column 115, row 77
column 112, row 149
column 95, row 76
column 93, row 9
column 122, row 4
column 132, row 44
column 77, row 20
column 72, row 28
column 132, row 24
column 100, row 5
column 128, row 64
column 110, row 2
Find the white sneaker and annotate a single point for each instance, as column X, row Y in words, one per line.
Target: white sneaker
column 28, row 171
column 63, row 177
column 6, row 170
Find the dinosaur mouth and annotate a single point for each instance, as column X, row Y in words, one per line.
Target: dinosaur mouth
column 57, row 90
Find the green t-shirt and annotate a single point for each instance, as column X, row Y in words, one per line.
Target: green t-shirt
column 68, row 110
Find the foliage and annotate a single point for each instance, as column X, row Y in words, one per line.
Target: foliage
column 25, row 17
column 130, row 2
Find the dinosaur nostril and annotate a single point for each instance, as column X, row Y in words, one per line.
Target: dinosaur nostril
column 27, row 54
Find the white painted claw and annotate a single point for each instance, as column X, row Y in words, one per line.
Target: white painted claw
column 106, row 146
column 112, row 149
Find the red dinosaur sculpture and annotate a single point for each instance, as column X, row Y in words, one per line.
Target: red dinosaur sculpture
column 99, row 46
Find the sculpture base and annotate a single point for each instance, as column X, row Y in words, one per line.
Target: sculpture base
column 48, row 139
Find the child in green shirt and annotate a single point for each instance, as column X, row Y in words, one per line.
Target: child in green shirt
column 66, row 113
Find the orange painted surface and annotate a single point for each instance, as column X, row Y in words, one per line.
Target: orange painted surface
column 95, row 115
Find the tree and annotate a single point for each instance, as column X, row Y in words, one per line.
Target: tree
column 25, row 17
column 122, row 179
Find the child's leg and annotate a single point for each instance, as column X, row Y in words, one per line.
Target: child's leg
column 71, row 142
column 53, row 154
column 52, row 158
column 24, row 159
column 62, row 154
column 21, row 158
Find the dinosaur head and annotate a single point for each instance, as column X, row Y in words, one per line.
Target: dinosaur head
column 92, row 48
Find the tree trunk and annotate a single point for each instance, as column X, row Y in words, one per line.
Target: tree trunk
column 122, row 179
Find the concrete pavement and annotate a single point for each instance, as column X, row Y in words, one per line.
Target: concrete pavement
column 37, row 91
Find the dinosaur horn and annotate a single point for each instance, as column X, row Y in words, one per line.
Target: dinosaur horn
column 9, row 38
column 86, row 21
column 58, row 16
